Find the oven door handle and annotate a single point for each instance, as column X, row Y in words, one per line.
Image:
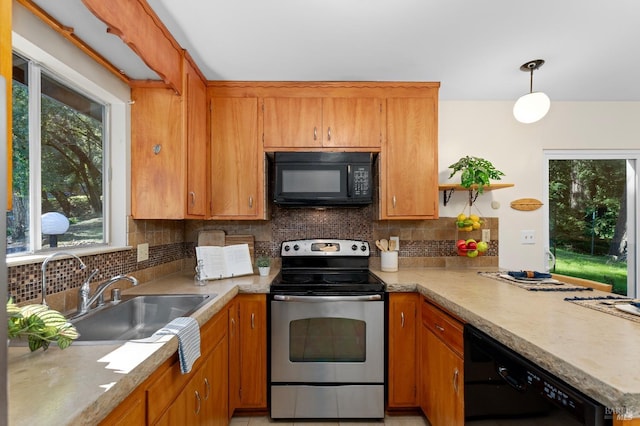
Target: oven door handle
column 318, row 299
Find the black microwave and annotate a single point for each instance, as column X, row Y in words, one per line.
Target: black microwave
column 323, row 179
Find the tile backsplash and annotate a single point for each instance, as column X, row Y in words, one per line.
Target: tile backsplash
column 425, row 243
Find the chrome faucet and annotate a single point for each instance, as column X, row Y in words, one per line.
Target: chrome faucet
column 85, row 300
column 44, row 270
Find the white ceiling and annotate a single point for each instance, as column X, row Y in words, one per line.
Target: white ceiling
column 473, row 47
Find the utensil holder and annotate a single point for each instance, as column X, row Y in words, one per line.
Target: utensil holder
column 389, row 261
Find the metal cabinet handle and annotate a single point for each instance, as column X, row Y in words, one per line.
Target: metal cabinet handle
column 198, row 404
column 250, row 201
column 315, row 133
column 439, row 328
column 456, row 375
column 193, row 197
column 394, row 201
column 253, row 320
column 207, row 386
column 329, row 133
column 402, row 319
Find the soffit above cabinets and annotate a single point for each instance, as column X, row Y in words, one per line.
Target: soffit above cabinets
column 93, row 32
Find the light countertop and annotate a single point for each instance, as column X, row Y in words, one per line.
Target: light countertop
column 592, row 351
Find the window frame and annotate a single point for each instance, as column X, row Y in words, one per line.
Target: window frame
column 116, row 145
column 632, row 158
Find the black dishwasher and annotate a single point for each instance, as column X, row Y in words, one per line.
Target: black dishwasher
column 501, row 384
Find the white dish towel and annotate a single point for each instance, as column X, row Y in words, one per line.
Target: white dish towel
column 188, row 332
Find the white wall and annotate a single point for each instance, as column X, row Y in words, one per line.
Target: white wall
column 488, row 130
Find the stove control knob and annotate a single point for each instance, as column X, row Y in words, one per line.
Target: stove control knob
column 287, row 248
column 363, row 247
column 296, row 247
column 354, row 247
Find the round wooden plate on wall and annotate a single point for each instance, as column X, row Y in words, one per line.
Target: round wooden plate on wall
column 526, row 204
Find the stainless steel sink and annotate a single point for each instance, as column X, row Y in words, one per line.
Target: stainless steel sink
column 136, row 317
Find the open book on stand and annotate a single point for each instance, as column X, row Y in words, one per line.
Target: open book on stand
column 217, row 262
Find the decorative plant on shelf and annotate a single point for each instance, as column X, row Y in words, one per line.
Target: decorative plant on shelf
column 475, row 171
column 40, row 325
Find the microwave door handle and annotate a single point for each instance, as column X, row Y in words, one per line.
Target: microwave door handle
column 349, row 178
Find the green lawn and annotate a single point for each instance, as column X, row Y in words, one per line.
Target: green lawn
column 596, row 268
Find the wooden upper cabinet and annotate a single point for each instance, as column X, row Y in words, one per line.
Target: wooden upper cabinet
column 196, row 137
column 237, row 160
column 409, row 165
column 310, row 122
column 157, row 154
column 352, row 122
column 169, row 149
column 292, row 122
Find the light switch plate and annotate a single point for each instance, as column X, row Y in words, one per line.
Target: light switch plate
column 143, row 252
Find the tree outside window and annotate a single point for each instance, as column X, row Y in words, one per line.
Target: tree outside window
column 70, row 145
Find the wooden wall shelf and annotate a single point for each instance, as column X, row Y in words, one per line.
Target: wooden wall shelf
column 449, row 189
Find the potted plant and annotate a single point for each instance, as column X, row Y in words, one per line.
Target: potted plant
column 475, row 171
column 39, row 325
column 263, row 264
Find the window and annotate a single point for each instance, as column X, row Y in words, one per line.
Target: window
column 592, row 211
column 59, row 134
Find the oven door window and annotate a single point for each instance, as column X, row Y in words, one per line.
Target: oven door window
column 327, row 340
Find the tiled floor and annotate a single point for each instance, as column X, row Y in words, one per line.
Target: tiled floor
column 389, row 420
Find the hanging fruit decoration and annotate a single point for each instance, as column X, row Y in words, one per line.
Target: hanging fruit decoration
column 471, row 247
column 468, row 223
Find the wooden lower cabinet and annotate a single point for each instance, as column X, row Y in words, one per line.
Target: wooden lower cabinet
column 252, row 357
column 230, row 374
column 403, row 350
column 442, row 367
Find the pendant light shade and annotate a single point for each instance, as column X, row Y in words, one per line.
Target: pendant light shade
column 533, row 106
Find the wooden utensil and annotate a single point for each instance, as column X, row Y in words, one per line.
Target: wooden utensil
column 385, row 244
column 379, row 245
column 392, row 245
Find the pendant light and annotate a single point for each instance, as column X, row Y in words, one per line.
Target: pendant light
column 533, row 106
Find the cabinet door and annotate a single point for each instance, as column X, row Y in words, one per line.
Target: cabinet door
column 409, row 185
column 130, row 412
column 403, row 349
column 215, row 387
column 157, row 155
column 196, row 137
column 253, row 350
column 237, row 168
column 352, row 122
column 442, row 382
column 292, row 123
column 234, row 357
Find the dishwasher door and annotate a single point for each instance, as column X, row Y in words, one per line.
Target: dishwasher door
column 501, row 384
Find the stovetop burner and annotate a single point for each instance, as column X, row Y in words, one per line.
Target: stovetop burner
column 326, row 267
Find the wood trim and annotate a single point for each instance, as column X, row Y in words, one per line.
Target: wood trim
column 6, row 62
column 583, row 282
column 141, row 29
column 292, row 89
column 67, row 32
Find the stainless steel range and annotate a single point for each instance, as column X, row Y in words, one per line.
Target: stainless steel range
column 327, row 332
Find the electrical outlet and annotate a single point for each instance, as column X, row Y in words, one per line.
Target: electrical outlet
column 486, row 235
column 143, row 252
column 397, row 240
column 527, row 237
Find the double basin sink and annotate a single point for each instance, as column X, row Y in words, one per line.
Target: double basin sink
column 135, row 316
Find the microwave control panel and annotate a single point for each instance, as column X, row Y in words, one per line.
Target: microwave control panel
column 361, row 181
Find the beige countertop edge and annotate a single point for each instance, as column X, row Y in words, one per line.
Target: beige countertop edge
column 89, row 403
column 579, row 350
column 590, row 350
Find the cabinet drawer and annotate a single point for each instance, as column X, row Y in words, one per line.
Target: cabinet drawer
column 443, row 325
